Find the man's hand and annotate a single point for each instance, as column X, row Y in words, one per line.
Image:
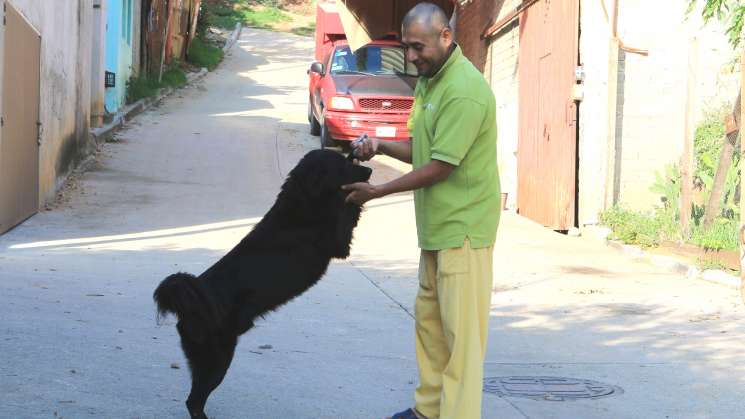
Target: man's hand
column 361, row 192
column 366, row 149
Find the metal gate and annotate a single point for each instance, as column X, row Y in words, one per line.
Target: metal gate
column 547, row 140
column 19, row 147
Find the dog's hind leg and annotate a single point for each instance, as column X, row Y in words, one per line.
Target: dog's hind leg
column 208, row 369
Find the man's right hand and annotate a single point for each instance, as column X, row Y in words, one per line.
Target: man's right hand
column 366, row 149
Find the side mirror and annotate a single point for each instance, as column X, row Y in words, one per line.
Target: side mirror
column 317, row 67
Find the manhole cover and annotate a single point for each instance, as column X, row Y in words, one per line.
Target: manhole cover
column 549, row 388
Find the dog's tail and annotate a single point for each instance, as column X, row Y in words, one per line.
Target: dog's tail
column 181, row 294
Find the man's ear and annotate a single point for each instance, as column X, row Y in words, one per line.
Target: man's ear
column 446, row 37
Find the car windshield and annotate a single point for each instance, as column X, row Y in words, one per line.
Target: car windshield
column 371, row 60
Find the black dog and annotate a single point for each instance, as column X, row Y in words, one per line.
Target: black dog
column 284, row 255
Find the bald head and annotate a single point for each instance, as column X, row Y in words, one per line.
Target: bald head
column 429, row 16
column 428, row 39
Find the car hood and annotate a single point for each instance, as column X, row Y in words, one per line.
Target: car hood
column 353, row 84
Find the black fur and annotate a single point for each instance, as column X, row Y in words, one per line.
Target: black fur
column 284, row 255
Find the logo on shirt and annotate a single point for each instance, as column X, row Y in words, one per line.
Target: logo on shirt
column 429, row 106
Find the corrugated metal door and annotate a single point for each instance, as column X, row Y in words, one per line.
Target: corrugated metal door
column 19, row 147
column 547, row 141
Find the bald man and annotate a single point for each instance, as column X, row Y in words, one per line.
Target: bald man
column 456, row 198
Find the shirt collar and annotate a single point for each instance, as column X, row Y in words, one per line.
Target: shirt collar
column 454, row 56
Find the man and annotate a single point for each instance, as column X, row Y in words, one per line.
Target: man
column 457, row 203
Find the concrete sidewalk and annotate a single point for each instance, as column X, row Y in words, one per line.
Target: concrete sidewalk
column 188, row 179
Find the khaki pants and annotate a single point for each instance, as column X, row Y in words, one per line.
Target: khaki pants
column 452, row 316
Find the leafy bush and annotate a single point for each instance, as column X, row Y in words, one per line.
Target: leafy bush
column 202, row 54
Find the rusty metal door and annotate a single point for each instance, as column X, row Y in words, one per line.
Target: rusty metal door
column 547, row 143
column 19, row 147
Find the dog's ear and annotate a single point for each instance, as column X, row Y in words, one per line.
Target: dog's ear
column 346, row 220
column 314, row 182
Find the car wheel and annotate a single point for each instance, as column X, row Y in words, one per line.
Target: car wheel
column 326, row 140
column 315, row 127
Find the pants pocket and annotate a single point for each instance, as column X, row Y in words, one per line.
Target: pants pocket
column 453, row 261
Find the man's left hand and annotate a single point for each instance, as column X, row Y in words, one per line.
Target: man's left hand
column 360, row 192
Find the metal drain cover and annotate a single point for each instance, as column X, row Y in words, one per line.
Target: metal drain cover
column 549, row 388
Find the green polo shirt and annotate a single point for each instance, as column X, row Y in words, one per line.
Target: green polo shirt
column 454, row 120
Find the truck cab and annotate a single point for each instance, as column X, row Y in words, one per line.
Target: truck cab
column 367, row 91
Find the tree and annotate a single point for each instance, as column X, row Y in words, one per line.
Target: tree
column 732, row 14
column 729, row 12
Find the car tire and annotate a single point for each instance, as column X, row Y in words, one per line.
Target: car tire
column 326, row 140
column 315, row 127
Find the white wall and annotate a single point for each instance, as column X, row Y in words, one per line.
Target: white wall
column 502, row 72
column 651, row 102
column 593, row 156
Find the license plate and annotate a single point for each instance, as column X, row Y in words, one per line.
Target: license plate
column 385, row 131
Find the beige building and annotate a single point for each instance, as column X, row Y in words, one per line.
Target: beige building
column 45, row 85
column 630, row 102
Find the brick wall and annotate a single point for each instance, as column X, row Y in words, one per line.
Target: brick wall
column 473, row 17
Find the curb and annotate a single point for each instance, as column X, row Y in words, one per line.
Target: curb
column 233, row 37
column 104, row 133
column 676, row 266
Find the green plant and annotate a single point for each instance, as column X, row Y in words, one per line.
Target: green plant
column 145, row 86
column 708, row 145
column 263, row 17
column 721, row 236
column 643, row 229
column 667, row 184
column 710, row 263
column 141, row 87
column 257, row 13
column 174, row 76
column 202, row 54
column 308, row 30
column 203, row 20
column 729, row 12
column 710, row 136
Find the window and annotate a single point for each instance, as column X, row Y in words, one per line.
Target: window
column 127, row 21
column 372, row 59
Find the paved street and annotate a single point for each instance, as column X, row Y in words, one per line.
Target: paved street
column 186, row 180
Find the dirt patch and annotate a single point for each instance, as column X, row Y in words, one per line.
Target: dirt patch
column 687, row 253
column 586, row 270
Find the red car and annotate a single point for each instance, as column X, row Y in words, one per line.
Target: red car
column 369, row 91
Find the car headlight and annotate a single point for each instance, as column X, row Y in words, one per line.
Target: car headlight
column 342, row 103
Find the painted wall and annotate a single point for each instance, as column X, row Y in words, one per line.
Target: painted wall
column 119, row 38
column 65, row 28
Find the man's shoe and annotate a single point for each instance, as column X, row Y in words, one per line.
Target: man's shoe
column 408, row 414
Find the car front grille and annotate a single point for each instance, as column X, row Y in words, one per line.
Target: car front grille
column 386, row 105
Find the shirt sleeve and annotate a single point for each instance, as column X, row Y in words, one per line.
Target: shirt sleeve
column 456, row 129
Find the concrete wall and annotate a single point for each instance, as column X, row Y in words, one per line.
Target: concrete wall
column 502, row 72
column 136, row 36
column 651, row 102
column 2, row 69
column 98, row 45
column 65, row 28
column 594, row 45
column 119, row 35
